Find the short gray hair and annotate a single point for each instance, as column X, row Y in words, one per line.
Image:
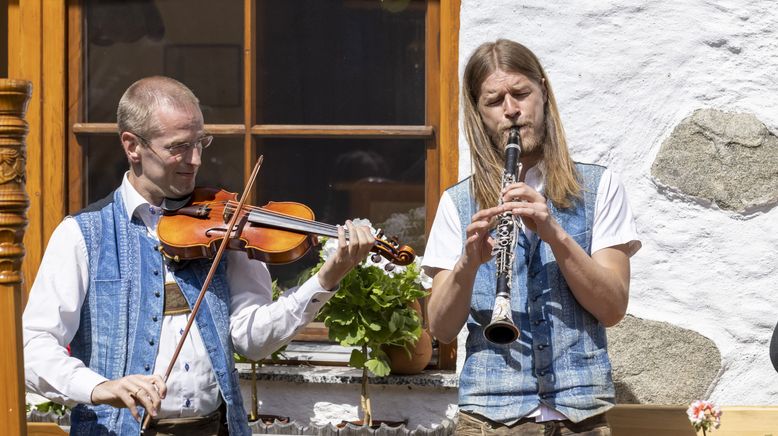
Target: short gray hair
column 142, row 98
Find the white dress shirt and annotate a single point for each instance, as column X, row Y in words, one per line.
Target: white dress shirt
column 613, row 225
column 258, row 325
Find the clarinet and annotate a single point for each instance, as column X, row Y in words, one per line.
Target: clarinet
column 501, row 330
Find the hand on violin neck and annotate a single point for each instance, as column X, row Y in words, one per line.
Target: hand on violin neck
column 348, row 254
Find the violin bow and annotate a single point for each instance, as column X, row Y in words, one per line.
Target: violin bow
column 209, row 277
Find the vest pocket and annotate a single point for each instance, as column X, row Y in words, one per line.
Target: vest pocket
column 594, row 363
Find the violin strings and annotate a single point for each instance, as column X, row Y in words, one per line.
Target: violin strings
column 321, row 228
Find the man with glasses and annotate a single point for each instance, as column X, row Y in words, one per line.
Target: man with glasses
column 104, row 289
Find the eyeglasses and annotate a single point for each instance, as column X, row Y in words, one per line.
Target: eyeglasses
column 182, row 147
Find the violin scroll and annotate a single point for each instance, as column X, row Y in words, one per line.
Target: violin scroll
column 392, row 251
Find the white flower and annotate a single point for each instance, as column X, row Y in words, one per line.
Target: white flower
column 328, row 248
column 422, row 278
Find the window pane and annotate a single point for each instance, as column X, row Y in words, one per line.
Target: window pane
column 340, row 62
column 339, row 179
column 106, row 164
column 222, row 165
column 198, row 42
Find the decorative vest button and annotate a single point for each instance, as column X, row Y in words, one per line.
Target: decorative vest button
column 539, row 321
column 156, row 272
column 157, row 294
column 154, row 318
column 541, row 346
column 151, row 341
column 147, row 367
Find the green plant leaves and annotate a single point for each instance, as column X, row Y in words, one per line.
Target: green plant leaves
column 372, row 308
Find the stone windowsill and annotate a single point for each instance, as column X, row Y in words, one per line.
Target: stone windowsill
column 346, row 375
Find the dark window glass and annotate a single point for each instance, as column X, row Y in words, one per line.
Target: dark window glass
column 340, row 62
column 198, row 42
column 378, row 179
column 222, row 165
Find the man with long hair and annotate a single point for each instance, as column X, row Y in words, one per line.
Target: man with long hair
column 570, row 277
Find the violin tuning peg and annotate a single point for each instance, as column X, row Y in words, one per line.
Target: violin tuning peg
column 389, row 267
column 375, row 258
column 379, row 234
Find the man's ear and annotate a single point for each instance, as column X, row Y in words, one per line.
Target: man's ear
column 131, row 143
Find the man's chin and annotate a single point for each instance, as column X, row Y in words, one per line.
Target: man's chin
column 180, row 191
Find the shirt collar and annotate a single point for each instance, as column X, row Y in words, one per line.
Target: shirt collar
column 136, row 205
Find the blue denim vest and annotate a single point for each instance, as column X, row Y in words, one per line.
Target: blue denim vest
column 121, row 318
column 560, row 358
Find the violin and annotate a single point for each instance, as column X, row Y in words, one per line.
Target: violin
column 276, row 233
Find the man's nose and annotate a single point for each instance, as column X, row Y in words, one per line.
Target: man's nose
column 194, row 156
column 511, row 107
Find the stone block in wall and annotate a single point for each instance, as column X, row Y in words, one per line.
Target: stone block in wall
column 659, row 363
column 730, row 159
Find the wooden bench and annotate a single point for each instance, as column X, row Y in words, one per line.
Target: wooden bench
column 648, row 420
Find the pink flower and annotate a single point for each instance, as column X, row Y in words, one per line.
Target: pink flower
column 704, row 415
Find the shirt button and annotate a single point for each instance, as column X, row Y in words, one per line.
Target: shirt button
column 541, row 346
column 539, row 321
column 187, row 403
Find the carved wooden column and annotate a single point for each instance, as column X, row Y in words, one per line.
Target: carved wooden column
column 14, row 95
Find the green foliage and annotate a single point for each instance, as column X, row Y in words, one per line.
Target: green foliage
column 48, row 407
column 372, row 308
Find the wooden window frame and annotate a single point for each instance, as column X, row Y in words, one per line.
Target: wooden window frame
column 439, row 132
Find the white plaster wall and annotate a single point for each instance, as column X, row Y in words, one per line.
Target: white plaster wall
column 625, row 73
column 331, row 403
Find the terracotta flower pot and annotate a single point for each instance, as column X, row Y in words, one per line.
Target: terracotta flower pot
column 400, row 363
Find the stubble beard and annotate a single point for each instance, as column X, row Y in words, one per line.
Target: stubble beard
column 531, row 145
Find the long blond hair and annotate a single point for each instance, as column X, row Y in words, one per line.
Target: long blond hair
column 561, row 184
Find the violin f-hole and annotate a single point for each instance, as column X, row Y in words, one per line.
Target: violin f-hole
column 235, row 232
